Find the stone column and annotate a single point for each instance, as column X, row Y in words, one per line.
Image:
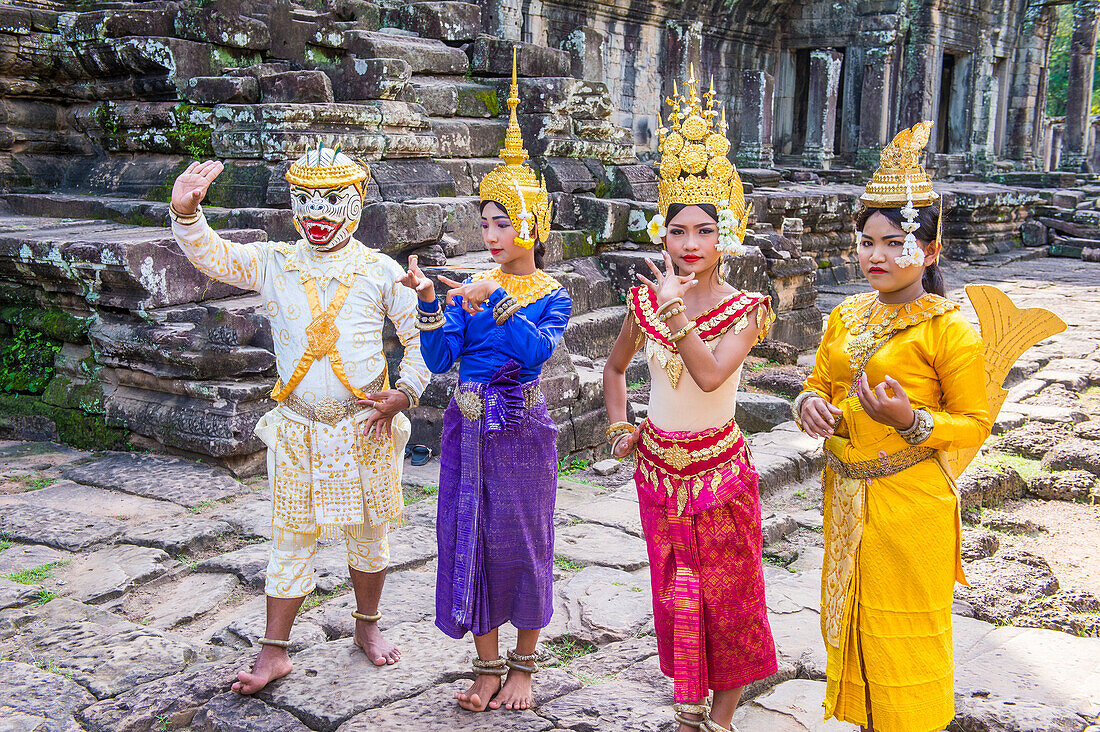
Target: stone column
column 874, row 106
column 1082, row 57
column 684, row 40
column 755, row 148
column 821, row 107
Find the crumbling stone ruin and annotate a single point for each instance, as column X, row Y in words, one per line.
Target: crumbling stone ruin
column 104, row 103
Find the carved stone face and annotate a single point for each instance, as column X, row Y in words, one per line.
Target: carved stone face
column 326, row 217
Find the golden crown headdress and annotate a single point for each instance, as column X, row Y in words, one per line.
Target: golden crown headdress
column 901, row 181
column 693, row 167
column 514, row 185
column 900, row 178
column 327, row 167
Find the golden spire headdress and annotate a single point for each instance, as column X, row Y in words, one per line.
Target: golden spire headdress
column 514, row 185
column 694, row 169
column 328, row 167
column 901, row 182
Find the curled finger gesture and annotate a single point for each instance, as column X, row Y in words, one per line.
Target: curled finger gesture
column 473, row 294
column 667, row 285
column 417, row 281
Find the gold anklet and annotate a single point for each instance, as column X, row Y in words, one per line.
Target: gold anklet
column 366, row 618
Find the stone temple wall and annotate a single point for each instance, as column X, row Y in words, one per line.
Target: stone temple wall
column 818, row 83
column 101, row 105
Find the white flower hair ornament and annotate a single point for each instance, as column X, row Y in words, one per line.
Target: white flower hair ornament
column 728, row 242
column 657, row 229
column 911, row 253
column 524, row 239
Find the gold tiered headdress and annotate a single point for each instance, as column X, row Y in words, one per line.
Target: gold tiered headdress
column 901, row 182
column 327, row 167
column 694, row 169
column 514, row 185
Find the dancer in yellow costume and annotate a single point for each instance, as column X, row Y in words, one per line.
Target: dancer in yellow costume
column 904, row 391
column 336, row 438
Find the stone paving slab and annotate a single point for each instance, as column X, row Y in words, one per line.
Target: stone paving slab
column 408, row 597
column 190, row 598
column 435, row 710
column 55, row 527
column 335, row 681
column 174, row 698
column 793, row 706
column 14, row 594
column 617, row 509
column 603, row 546
column 410, row 547
column 1027, row 665
column 68, row 495
column 231, row 712
column 19, row 557
column 38, row 694
column 245, row 630
column 615, row 705
column 250, row 514
column 600, row 605
column 110, row 572
column 169, row 479
column 177, row 535
column 100, row 651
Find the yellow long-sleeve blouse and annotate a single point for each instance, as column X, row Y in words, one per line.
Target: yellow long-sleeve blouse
column 935, row 355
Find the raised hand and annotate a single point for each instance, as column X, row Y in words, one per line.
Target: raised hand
column 473, row 294
column 668, row 285
column 416, row 280
column 191, row 185
column 891, row 410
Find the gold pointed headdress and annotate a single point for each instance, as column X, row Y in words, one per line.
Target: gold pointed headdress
column 327, row 167
column 900, row 178
column 693, row 167
column 514, row 185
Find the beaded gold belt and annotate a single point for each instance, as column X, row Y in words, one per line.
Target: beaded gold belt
column 328, row 410
column 472, row 404
column 882, row 466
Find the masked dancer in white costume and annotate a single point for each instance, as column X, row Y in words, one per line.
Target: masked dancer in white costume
column 336, row 438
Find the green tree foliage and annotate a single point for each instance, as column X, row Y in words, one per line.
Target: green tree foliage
column 1058, row 66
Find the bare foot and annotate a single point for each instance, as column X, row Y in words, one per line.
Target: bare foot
column 516, row 693
column 476, row 698
column 378, row 649
column 272, row 663
column 688, row 728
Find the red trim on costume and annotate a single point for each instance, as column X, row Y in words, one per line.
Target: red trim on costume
column 711, row 324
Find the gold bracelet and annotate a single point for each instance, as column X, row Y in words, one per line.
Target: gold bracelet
column 429, row 321
column 667, row 305
column 679, row 335
column 672, row 313
column 505, row 309
column 182, row 218
column 414, row 400
column 617, row 426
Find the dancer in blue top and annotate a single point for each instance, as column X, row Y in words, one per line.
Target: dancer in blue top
column 498, row 472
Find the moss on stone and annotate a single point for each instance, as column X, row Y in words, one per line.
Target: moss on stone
column 55, row 324
column 163, row 191
column 488, row 97
column 189, row 137
column 74, row 427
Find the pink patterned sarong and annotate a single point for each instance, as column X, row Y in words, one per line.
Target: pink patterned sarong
column 703, row 534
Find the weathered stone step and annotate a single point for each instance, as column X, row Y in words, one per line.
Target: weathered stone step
column 592, row 334
column 423, row 55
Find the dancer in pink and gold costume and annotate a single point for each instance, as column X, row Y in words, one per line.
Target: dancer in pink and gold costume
column 697, row 487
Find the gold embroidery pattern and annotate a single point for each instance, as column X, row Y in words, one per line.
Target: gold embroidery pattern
column 847, row 503
column 526, row 289
column 472, row 404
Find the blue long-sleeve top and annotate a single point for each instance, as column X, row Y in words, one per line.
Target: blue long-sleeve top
column 481, row 346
